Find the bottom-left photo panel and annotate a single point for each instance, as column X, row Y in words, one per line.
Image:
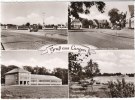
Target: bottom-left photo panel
column 31, row 74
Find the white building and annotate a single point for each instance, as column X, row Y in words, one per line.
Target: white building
column 130, row 20
column 20, row 76
column 76, row 24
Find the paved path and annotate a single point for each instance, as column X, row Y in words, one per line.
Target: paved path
column 103, row 39
column 22, row 39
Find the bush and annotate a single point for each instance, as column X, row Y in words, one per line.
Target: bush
column 121, row 89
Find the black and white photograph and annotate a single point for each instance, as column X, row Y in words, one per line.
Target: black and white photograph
column 67, row 49
column 31, row 25
column 102, row 24
column 105, row 74
column 29, row 74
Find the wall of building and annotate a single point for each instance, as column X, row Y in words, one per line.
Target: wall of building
column 45, row 82
column 11, row 79
column 24, row 78
column 28, row 79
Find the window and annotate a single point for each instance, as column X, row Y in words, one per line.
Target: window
column 44, row 80
column 20, row 82
column 33, row 80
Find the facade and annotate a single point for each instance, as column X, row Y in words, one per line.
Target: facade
column 130, row 21
column 76, row 24
column 20, row 76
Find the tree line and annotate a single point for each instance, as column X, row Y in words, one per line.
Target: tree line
column 61, row 73
column 117, row 74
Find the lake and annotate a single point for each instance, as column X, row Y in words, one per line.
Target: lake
column 105, row 79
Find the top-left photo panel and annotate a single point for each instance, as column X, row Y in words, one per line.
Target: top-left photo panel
column 31, row 25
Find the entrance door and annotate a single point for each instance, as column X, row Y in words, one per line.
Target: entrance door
column 21, row 82
column 24, row 82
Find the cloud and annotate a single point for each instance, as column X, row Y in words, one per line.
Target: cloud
column 12, row 62
column 34, row 18
column 53, row 20
column 55, row 62
column 113, row 61
column 32, row 60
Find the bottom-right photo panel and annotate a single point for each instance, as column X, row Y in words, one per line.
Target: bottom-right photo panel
column 102, row 74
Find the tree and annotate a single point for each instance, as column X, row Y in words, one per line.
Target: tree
column 3, row 71
column 114, row 15
column 91, row 69
column 117, row 18
column 27, row 24
column 75, row 69
column 91, row 23
column 85, row 23
column 78, row 7
column 62, row 74
column 28, row 68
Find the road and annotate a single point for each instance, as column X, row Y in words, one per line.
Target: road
column 103, row 39
column 22, row 39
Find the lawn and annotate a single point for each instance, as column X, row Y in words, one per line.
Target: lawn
column 8, row 92
column 100, row 91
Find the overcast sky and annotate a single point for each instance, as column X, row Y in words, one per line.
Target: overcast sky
column 121, row 5
column 113, row 61
column 20, row 13
column 33, row 58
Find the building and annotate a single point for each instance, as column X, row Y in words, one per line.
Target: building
column 130, row 20
column 3, row 27
column 20, row 76
column 76, row 24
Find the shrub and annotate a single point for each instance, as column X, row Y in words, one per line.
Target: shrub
column 121, row 89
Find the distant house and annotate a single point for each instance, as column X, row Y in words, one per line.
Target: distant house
column 61, row 26
column 76, row 24
column 130, row 20
column 3, row 27
column 103, row 23
column 20, row 76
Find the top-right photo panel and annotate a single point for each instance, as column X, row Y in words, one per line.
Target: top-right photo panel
column 102, row 24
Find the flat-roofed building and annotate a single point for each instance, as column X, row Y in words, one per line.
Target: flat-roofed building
column 20, row 76
column 45, row 80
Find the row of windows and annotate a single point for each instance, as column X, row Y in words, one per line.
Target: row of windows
column 24, row 77
column 45, row 81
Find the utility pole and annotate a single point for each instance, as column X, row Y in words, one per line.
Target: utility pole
column 43, row 19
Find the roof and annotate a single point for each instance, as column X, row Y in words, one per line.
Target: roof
column 17, row 70
column 131, row 10
column 45, row 77
column 102, row 21
column 76, row 21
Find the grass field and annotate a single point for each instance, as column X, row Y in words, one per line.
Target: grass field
column 8, row 92
column 98, row 90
